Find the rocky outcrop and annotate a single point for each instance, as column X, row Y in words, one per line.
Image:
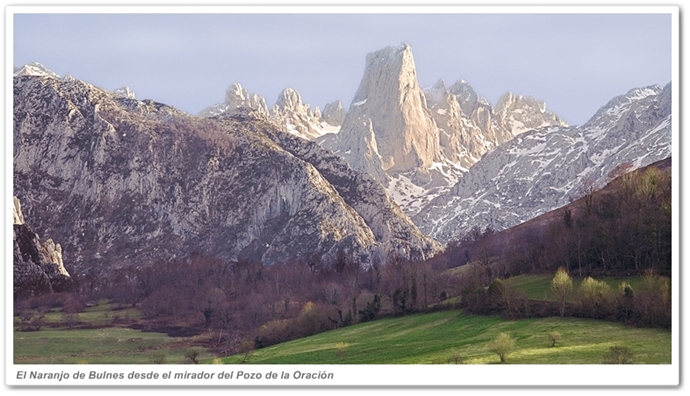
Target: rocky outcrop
column 518, row 114
column 543, row 169
column 38, row 267
column 298, row 118
column 289, row 112
column 333, row 113
column 393, row 231
column 236, row 99
column 132, row 182
column 35, row 69
column 125, row 92
column 470, row 126
column 389, row 103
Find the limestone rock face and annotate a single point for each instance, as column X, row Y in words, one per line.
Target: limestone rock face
column 543, row 169
column 125, row 92
column 17, row 215
column 125, row 182
column 237, row 99
column 470, row 126
column 288, row 113
column 333, row 113
column 38, row 267
column 298, row 118
column 390, row 103
column 517, row 114
column 423, row 140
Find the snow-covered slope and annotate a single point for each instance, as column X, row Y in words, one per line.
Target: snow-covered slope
column 543, row 169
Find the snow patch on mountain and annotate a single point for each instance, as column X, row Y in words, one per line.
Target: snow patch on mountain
column 35, row 69
column 545, row 168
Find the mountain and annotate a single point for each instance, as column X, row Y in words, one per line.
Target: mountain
column 299, row 118
column 38, row 267
column 470, row 126
column 333, row 113
column 121, row 181
column 35, row 69
column 125, row 92
column 545, row 168
column 390, row 103
column 289, row 112
column 419, row 142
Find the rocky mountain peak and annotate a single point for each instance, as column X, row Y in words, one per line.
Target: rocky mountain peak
column 291, row 100
column 435, row 93
column 425, row 139
column 517, row 114
column 237, row 99
column 389, row 97
column 620, row 104
column 35, row 69
column 333, row 113
column 465, row 94
column 236, row 93
column 289, row 112
column 125, row 92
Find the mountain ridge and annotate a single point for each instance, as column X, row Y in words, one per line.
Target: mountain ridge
column 546, row 167
column 133, row 181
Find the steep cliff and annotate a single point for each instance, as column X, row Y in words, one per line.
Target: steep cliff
column 37, row 267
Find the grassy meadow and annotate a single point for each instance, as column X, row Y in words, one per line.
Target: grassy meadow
column 110, row 343
column 452, row 336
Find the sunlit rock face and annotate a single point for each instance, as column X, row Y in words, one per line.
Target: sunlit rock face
column 419, row 142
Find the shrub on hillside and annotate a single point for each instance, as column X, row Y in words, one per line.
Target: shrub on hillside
column 625, row 303
column 554, row 337
column 595, row 299
column 618, row 355
column 653, row 301
column 561, row 285
column 193, row 354
column 502, row 346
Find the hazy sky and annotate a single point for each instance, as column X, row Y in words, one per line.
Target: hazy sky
column 574, row 62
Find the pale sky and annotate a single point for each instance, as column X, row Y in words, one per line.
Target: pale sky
column 574, row 62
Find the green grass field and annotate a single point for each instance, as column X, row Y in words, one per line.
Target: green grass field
column 439, row 337
column 102, row 314
column 97, row 346
column 54, row 344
